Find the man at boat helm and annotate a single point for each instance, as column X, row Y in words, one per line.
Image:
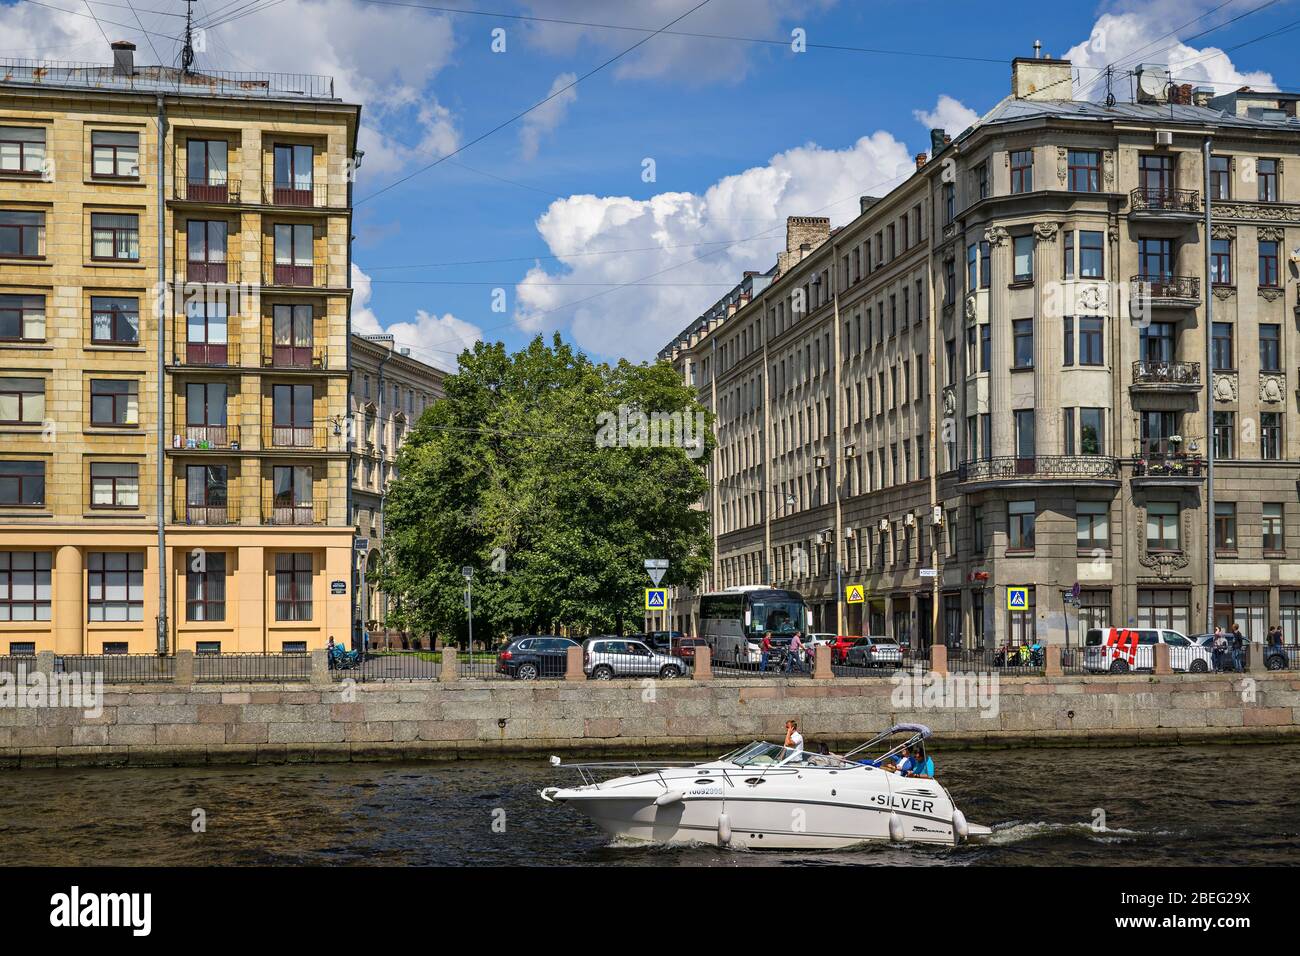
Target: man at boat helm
column 922, row 765
column 901, row 762
column 793, row 739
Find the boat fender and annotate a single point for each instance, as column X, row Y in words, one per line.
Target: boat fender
column 724, row 829
column 960, row 831
column 668, row 797
column 895, row 828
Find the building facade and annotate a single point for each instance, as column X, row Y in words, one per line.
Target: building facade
column 390, row 391
column 174, row 314
column 1023, row 361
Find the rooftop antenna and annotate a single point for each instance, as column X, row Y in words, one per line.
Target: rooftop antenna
column 1038, row 49
column 187, row 52
column 1110, row 75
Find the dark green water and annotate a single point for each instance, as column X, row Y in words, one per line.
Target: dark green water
column 1164, row 805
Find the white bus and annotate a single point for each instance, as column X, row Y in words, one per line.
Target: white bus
column 733, row 621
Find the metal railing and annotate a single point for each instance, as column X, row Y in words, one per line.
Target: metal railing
column 310, row 196
column 81, row 75
column 219, row 192
column 1065, row 467
column 485, row 665
column 1072, row 661
column 1155, row 463
column 390, row 665
column 251, row 666
column 218, row 273
column 1167, row 373
column 186, row 513
column 207, row 438
column 205, row 354
column 1166, row 288
column 305, row 437
column 12, row 663
column 314, row 356
column 1151, row 199
column 277, row 513
column 119, row 668
column 287, row 275
column 1279, row 657
column 967, row 659
column 780, row 663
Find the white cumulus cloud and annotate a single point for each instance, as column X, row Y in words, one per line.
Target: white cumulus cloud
column 949, row 114
column 432, row 338
column 548, row 116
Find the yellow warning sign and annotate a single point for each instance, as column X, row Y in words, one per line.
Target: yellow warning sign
column 855, row 594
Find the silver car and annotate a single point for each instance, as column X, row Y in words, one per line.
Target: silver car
column 604, row 658
column 874, row 652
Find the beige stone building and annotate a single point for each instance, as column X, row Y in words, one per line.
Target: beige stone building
column 174, row 314
column 390, row 391
column 1011, row 372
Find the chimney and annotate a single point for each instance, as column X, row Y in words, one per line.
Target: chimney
column 123, row 58
column 1202, row 95
column 1041, row 78
column 921, row 160
column 802, row 235
column 866, row 202
column 938, row 140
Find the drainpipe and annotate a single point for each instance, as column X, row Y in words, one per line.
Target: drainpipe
column 1209, row 406
column 164, row 314
column 383, row 490
column 349, row 436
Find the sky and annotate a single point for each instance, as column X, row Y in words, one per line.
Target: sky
column 534, row 166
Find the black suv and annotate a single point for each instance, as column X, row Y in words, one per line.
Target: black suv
column 530, row 656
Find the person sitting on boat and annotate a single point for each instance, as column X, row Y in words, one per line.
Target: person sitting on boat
column 921, row 766
column 900, row 762
column 793, row 739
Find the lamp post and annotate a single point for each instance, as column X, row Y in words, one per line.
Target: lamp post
column 468, row 573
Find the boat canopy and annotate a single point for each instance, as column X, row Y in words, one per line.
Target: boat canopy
column 921, row 729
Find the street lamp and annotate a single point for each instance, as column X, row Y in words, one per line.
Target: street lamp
column 468, row 573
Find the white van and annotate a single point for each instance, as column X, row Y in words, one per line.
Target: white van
column 1117, row 650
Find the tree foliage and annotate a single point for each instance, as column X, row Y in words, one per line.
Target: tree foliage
column 510, row 460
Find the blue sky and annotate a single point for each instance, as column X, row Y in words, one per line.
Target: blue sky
column 741, row 134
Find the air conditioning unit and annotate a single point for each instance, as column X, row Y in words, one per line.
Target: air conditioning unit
column 850, row 533
column 851, row 450
column 818, row 539
column 909, row 519
column 937, row 517
column 1164, row 137
column 884, row 524
column 819, row 461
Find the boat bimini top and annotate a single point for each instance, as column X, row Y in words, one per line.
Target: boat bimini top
column 915, row 734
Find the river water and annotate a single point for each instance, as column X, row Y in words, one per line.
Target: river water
column 1163, row 805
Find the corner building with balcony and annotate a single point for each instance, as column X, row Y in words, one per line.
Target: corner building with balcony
column 1062, row 358
column 244, row 457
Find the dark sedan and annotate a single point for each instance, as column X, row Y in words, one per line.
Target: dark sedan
column 534, row 656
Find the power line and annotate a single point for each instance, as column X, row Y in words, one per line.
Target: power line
column 537, row 105
column 91, row 15
column 96, row 19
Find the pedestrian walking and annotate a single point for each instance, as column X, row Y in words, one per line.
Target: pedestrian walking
column 794, row 659
column 764, row 652
column 1238, row 646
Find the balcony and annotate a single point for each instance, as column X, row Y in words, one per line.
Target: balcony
column 204, row 514
column 1166, row 377
column 1039, row 469
column 1149, row 202
column 295, row 195
column 206, row 438
column 1170, row 291
column 286, row 512
column 204, row 354
column 218, row 273
column 219, row 193
column 1163, row 463
column 288, row 275
column 303, row 438
column 310, row 356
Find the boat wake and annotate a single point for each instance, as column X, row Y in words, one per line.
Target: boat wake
column 1020, row 831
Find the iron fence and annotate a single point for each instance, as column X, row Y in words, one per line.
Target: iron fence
column 388, row 665
column 252, row 666
column 780, row 662
column 1155, row 199
column 1281, row 657
column 119, row 668
column 1007, row 468
column 1072, row 661
column 13, row 663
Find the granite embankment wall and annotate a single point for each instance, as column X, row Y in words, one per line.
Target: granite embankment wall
column 211, row 723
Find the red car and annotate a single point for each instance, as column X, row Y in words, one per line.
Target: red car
column 840, row 647
column 684, row 647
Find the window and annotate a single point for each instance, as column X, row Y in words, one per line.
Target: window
column 1067, row 253
column 1164, row 608
column 22, row 150
column 1156, row 176
column 986, row 272
column 114, row 321
column 1022, row 335
column 293, row 254
column 1224, row 429
column 293, row 579
column 1067, row 427
column 115, row 155
column 1268, row 268
column 1274, row 535
column 977, row 617
column 1091, row 348
column 1085, row 171
column 22, row 234
column 114, row 402
column 977, row 528
column 207, row 494
column 1266, row 176
column 1022, row 171
column 1020, row 526
column 1270, row 436
column 1156, row 342
column 292, row 488
column 24, row 586
column 1162, row 526
column 1024, row 258
column 207, row 331
column 1270, row 347
column 205, row 250
column 205, row 587
column 115, row 582
column 986, row 348
column 207, row 647
column 1094, row 608
column 292, row 415
column 1221, row 261
column 22, row 318
column 1092, row 255
column 1220, row 177
column 1092, row 520
column 1291, row 616
column 1156, row 259
column 292, row 332
column 22, row 401
column 1067, row 341
column 206, row 166
column 300, row 647
column 114, row 485
column 972, row 266
column 1225, row 526
column 293, row 175
column 949, row 289
column 1221, row 347
column 115, row 236
column 982, row 180
column 22, row 483
column 949, row 203
column 1021, row 624
column 1092, row 431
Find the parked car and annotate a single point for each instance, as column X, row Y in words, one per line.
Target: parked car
column 661, row 642
column 1119, row 650
column 534, row 655
column 874, row 651
column 1275, row 658
column 840, row 645
column 685, row 648
column 604, row 658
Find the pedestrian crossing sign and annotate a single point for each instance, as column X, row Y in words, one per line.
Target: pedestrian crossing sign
column 656, row 599
column 1017, row 599
column 854, row 594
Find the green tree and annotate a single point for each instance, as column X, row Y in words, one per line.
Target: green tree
column 514, row 468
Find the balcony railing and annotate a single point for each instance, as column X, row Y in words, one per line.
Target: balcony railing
column 276, row 511
column 222, row 192
column 207, row 438
column 205, row 354
column 305, row 437
column 214, row 272
column 314, row 356
column 1166, row 288
column 1162, row 458
column 1170, row 374
column 1150, row 199
column 309, row 196
column 1039, row 467
column 292, row 276
column 204, row 514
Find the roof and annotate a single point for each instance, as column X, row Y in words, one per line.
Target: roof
column 167, row 79
column 1012, row 110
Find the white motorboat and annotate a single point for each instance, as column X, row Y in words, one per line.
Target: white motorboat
column 767, row 795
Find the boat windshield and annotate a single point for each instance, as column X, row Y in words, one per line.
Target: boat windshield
column 764, row 754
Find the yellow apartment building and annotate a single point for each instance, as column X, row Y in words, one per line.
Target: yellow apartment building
column 174, row 322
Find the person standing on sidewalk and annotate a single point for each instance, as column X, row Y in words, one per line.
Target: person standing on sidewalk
column 1238, row 646
column 765, row 651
